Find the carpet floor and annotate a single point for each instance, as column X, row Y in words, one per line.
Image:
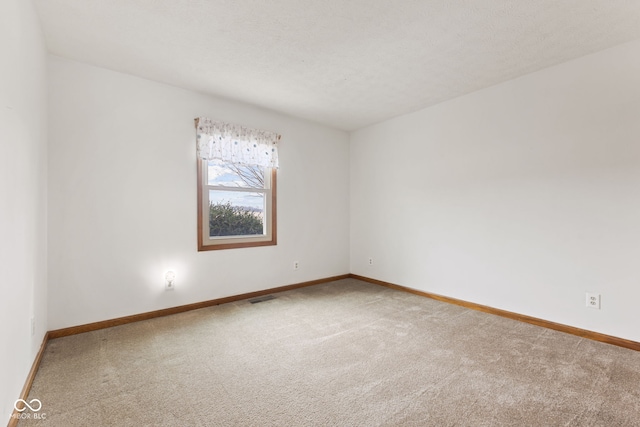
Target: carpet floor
column 345, row 353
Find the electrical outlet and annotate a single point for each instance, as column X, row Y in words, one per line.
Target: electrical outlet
column 169, row 280
column 370, row 261
column 296, row 265
column 593, row 301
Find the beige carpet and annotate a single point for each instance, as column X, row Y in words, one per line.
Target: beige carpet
column 345, row 353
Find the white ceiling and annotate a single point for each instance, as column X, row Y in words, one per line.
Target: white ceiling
column 343, row 63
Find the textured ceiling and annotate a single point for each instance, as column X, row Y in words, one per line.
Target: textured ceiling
column 343, row 63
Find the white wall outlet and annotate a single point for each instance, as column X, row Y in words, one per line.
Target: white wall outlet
column 169, row 281
column 370, row 261
column 296, row 265
column 593, row 300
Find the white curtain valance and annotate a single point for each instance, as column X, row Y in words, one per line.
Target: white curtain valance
column 237, row 144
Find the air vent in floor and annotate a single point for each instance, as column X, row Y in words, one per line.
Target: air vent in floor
column 261, row 299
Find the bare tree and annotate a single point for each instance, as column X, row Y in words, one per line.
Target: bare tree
column 251, row 175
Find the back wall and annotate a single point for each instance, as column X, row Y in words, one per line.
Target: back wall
column 122, row 198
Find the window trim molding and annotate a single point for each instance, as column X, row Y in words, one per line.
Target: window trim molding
column 240, row 242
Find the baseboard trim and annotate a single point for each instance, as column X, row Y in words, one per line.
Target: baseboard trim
column 595, row 336
column 13, row 422
column 58, row 333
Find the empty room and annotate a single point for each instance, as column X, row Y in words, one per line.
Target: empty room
column 305, row 213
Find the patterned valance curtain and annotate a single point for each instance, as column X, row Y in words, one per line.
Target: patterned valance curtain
column 237, row 144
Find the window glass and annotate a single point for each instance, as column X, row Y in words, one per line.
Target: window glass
column 237, row 205
column 231, row 175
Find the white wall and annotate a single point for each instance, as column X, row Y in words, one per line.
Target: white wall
column 522, row 196
column 23, row 171
column 122, row 199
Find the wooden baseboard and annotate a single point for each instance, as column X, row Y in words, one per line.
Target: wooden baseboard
column 13, row 422
column 58, row 333
column 595, row 336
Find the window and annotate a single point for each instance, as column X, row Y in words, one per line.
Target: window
column 236, row 186
column 236, row 205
